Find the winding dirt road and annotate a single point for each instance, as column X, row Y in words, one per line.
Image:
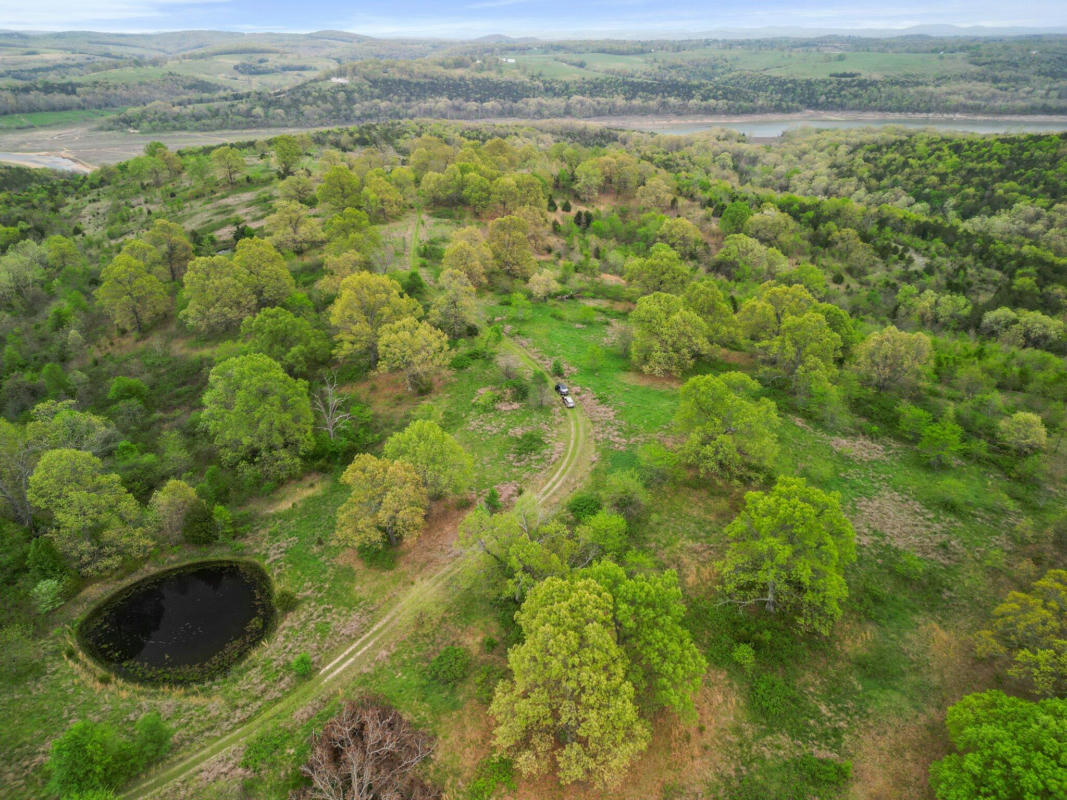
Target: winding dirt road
column 550, row 489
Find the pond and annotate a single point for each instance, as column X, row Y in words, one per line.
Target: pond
column 182, row 625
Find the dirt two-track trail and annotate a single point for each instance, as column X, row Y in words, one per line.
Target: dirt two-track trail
column 550, row 489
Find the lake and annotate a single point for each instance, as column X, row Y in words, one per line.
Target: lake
column 181, row 625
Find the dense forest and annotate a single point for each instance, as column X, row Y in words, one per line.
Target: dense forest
column 798, row 532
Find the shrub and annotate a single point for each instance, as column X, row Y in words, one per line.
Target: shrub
column 199, row 526
column 285, row 600
column 745, row 657
column 516, row 388
column 529, row 442
column 557, row 368
column 301, row 665
column 93, row 756
column 450, row 666
column 461, row 361
column 47, row 595
column 490, row 775
column 43, row 560
column 583, row 505
column 492, row 500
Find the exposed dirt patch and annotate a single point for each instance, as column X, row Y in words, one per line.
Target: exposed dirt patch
column 736, row 357
column 435, row 545
column 679, row 759
column 905, row 523
column 657, row 381
column 859, row 448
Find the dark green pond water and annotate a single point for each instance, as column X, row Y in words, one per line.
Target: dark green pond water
column 183, row 625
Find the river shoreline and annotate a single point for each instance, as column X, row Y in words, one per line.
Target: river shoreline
column 82, row 148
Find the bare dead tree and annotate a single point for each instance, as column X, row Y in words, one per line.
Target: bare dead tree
column 369, row 752
column 329, row 403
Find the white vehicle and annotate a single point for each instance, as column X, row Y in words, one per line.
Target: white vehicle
column 568, row 401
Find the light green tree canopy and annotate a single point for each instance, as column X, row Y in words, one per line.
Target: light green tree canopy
column 173, row 246
column 257, row 415
column 131, row 295
column 1023, row 432
column 365, row 304
column 891, row 358
column 290, row 340
column 454, row 310
column 229, row 163
column 569, row 699
column 96, row 523
column 727, row 430
column 508, row 241
column 443, row 466
column 662, row 270
column 388, row 502
column 1030, row 629
column 219, row 296
column 667, row 336
column 788, row 549
column 1009, row 749
column 664, row 665
column 417, row 349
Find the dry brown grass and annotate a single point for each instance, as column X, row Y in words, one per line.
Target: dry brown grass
column 288, row 495
column 682, row 755
column 656, row 381
column 905, row 523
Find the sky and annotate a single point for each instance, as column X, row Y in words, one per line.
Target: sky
column 545, row 18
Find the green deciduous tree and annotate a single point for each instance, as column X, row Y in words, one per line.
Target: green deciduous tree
column 468, row 253
column 292, row 341
column 443, row 466
column 705, row 299
column 287, row 153
column 293, row 228
column 173, row 246
column 891, row 358
column 734, row 217
column 340, row 188
column 228, row 162
column 727, row 431
column 388, row 501
column 664, row 665
column 509, row 243
column 417, row 349
column 96, row 523
column 90, row 759
column 662, row 270
column 940, row 442
column 218, row 295
column 267, row 276
column 683, row 236
column 1030, row 629
column 168, row 507
column 1023, row 432
column 569, row 698
column 365, row 304
column 454, row 310
column 667, row 336
column 257, row 415
column 1009, row 749
column 788, row 549
column 131, row 295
